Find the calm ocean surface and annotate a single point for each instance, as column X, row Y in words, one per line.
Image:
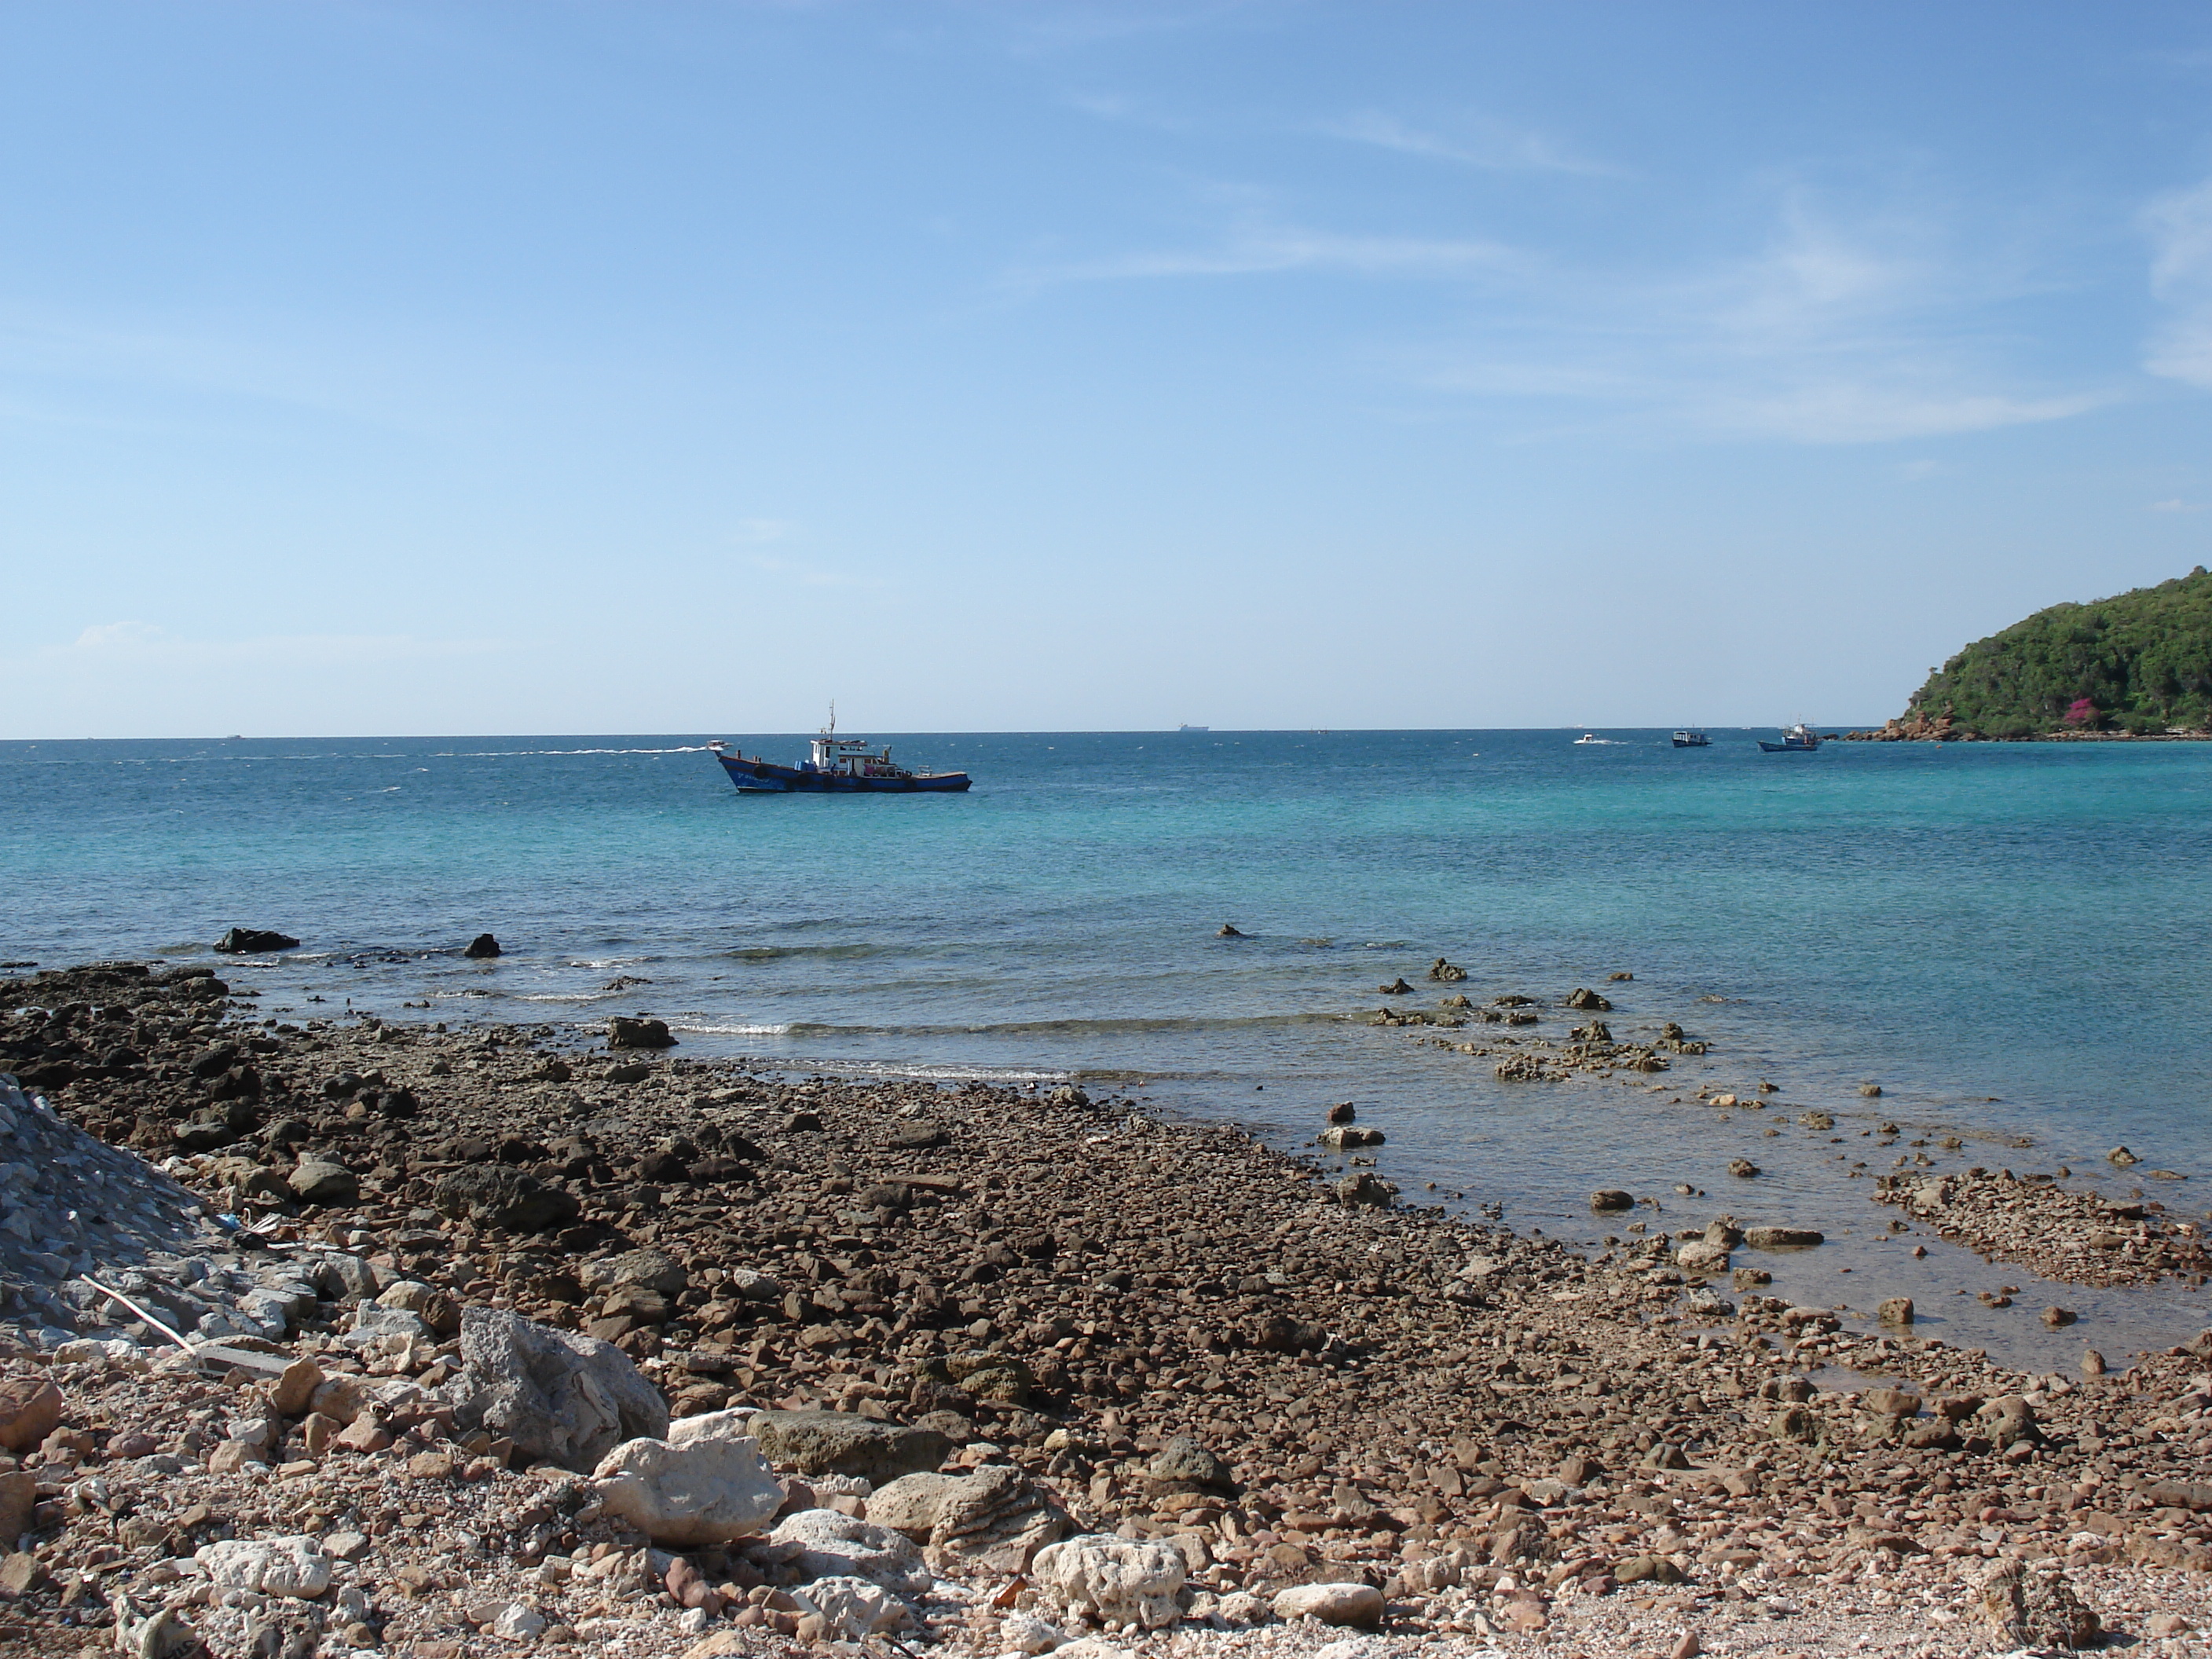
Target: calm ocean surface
column 2010, row 939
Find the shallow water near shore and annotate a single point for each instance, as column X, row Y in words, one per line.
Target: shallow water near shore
column 2007, row 938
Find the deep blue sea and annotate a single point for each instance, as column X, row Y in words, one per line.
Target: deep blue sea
column 2011, row 939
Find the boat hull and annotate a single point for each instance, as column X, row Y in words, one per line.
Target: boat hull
column 765, row 778
column 1787, row 748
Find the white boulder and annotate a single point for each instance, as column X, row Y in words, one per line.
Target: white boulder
column 1115, row 1581
column 835, row 1545
column 294, row 1566
column 852, row 1608
column 707, row 1482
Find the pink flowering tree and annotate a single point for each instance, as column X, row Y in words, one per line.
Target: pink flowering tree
column 2082, row 712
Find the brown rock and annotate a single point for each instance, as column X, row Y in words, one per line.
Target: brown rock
column 232, row 1455
column 30, row 1410
column 295, row 1388
column 19, row 1494
column 341, row 1399
column 20, row 1574
column 317, row 1432
column 364, row 1434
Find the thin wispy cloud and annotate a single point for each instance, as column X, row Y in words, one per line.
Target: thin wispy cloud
column 2180, row 228
column 1256, row 247
column 1488, row 145
column 2176, row 504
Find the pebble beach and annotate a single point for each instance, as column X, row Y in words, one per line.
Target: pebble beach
column 1034, row 1369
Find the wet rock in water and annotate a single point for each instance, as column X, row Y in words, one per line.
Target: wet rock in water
column 1585, row 1000
column 1229, row 930
column 639, row 1034
column 1895, row 1310
column 2056, row 1318
column 841, row 1443
column 1445, row 972
column 1114, row 1581
column 1365, row 1190
column 1396, row 988
column 1620, row 979
column 1700, row 1256
column 1352, row 1606
column 1743, row 1167
column 482, row 948
column 704, row 1483
column 1067, row 1094
column 2093, row 1363
column 563, row 1398
column 251, row 941
column 1782, row 1238
column 1612, row 1198
column 2026, row 1608
column 1342, row 1112
column 832, row 1543
column 497, row 1195
column 2122, row 1157
column 1344, row 1138
column 319, row 1181
column 1870, row 1090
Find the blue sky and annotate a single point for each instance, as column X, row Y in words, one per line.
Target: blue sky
column 624, row 368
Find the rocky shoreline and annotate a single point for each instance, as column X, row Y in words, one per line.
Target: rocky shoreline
column 1293, row 1404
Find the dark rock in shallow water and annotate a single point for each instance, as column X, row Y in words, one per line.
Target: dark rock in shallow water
column 484, row 945
column 1229, row 930
column 639, row 1034
column 1342, row 1112
column 241, row 941
column 1589, row 1001
column 1612, row 1198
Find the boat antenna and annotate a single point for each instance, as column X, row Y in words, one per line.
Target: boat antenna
column 830, row 730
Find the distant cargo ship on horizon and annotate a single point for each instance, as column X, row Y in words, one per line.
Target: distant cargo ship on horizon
column 1193, row 728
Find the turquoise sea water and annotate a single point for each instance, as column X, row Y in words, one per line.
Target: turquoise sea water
column 2009, row 938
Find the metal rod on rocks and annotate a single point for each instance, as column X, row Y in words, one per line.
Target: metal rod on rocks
column 119, row 1297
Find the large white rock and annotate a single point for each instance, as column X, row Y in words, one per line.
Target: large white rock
column 835, row 1545
column 707, row 1482
column 1357, row 1606
column 1113, row 1580
column 853, row 1607
column 1024, row 1633
column 294, row 1566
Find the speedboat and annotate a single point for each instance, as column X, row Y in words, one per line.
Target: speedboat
column 1588, row 737
column 1799, row 739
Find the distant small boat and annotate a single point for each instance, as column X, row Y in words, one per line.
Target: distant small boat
column 1690, row 737
column 1592, row 737
column 1193, row 728
column 1799, row 739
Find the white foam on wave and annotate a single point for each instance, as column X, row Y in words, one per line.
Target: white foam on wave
column 732, row 1030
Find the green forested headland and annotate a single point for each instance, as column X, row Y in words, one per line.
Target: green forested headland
column 2141, row 661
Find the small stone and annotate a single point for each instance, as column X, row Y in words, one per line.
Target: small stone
column 1024, row 1632
column 317, row 1181
column 2093, row 1363
column 639, row 1034
column 1612, row 1198
column 2057, row 1317
column 1357, row 1607
column 2122, row 1157
column 1895, row 1310
column 295, row 1388
column 1781, row 1238
column 518, row 1621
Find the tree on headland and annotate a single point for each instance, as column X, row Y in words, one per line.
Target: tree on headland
column 2141, row 661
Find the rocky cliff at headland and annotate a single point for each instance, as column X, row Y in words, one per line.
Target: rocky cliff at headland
column 2136, row 665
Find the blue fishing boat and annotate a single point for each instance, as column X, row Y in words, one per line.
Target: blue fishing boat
column 1799, row 739
column 838, row 766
